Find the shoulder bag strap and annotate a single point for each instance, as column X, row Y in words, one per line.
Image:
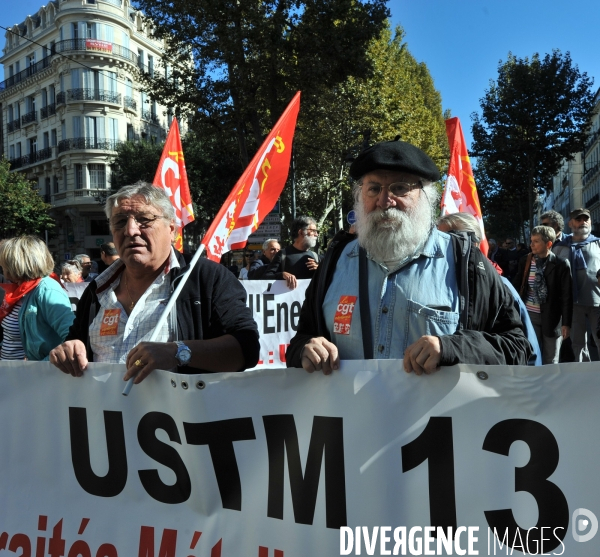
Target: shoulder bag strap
column 363, row 301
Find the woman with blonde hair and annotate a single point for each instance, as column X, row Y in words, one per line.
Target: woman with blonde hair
column 36, row 312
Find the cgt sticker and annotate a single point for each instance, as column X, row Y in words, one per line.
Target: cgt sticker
column 342, row 320
column 110, row 322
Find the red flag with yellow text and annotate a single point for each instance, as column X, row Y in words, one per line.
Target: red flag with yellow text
column 257, row 190
column 460, row 192
column 172, row 177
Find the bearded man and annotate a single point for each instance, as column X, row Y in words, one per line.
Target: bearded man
column 403, row 289
column 297, row 261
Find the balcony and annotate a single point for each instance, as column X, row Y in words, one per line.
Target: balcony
column 78, row 197
column 78, row 143
column 32, row 158
column 61, row 98
column 98, row 47
column 14, row 125
column 150, row 117
column 130, row 103
column 93, row 95
column 29, row 118
column 43, row 154
column 26, row 73
column 47, row 111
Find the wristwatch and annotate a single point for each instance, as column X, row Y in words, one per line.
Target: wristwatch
column 184, row 354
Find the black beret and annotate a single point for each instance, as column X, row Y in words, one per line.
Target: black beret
column 394, row 155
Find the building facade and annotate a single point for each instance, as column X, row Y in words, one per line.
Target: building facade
column 591, row 168
column 70, row 94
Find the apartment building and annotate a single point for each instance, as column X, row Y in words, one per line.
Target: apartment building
column 70, row 94
column 591, row 170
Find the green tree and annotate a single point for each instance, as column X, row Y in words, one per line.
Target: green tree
column 135, row 161
column 534, row 116
column 398, row 98
column 22, row 210
column 236, row 64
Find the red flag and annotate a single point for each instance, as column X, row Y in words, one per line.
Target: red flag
column 257, row 190
column 460, row 192
column 175, row 182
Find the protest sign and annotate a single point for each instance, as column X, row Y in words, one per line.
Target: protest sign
column 286, row 464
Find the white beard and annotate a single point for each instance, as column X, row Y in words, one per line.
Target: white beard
column 310, row 242
column 392, row 235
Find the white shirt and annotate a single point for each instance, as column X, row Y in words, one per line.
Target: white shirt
column 113, row 333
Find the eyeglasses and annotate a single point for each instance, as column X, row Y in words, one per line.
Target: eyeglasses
column 397, row 189
column 312, row 231
column 582, row 217
column 118, row 222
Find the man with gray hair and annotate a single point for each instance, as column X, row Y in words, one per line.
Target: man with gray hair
column 258, row 267
column 554, row 220
column 86, row 267
column 297, row 261
column 402, row 289
column 211, row 328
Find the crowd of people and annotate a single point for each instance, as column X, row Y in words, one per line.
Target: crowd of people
column 404, row 286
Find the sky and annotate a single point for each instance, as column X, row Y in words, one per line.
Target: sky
column 462, row 41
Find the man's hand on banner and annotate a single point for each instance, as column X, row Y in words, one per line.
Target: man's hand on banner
column 320, row 354
column 70, row 357
column 423, row 356
column 291, row 280
column 148, row 356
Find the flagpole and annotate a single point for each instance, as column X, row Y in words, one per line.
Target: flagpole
column 167, row 310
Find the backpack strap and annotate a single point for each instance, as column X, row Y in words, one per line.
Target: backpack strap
column 363, row 301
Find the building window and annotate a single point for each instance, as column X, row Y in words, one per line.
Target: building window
column 97, row 176
column 32, row 145
column 11, row 151
column 54, row 138
column 18, row 149
column 48, row 186
column 130, row 134
column 46, row 140
column 55, row 183
column 99, row 227
column 64, row 178
column 78, row 177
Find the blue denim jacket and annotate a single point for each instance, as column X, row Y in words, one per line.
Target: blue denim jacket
column 419, row 298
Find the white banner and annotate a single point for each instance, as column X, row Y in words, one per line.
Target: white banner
column 276, row 310
column 280, row 463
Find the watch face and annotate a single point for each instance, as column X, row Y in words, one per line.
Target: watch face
column 184, row 354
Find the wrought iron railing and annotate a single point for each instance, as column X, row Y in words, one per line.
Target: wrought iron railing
column 47, row 111
column 29, row 118
column 93, row 95
column 87, row 143
column 94, row 45
column 61, row 98
column 130, row 102
column 150, row 116
column 26, row 73
column 14, row 125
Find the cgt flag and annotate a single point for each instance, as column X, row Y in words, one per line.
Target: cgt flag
column 460, row 192
column 257, row 190
column 172, row 177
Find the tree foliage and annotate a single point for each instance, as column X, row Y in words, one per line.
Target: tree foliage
column 249, row 58
column 22, row 210
column 535, row 115
column 398, row 98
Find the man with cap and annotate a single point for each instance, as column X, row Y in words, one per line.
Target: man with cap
column 582, row 249
column 403, row 289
